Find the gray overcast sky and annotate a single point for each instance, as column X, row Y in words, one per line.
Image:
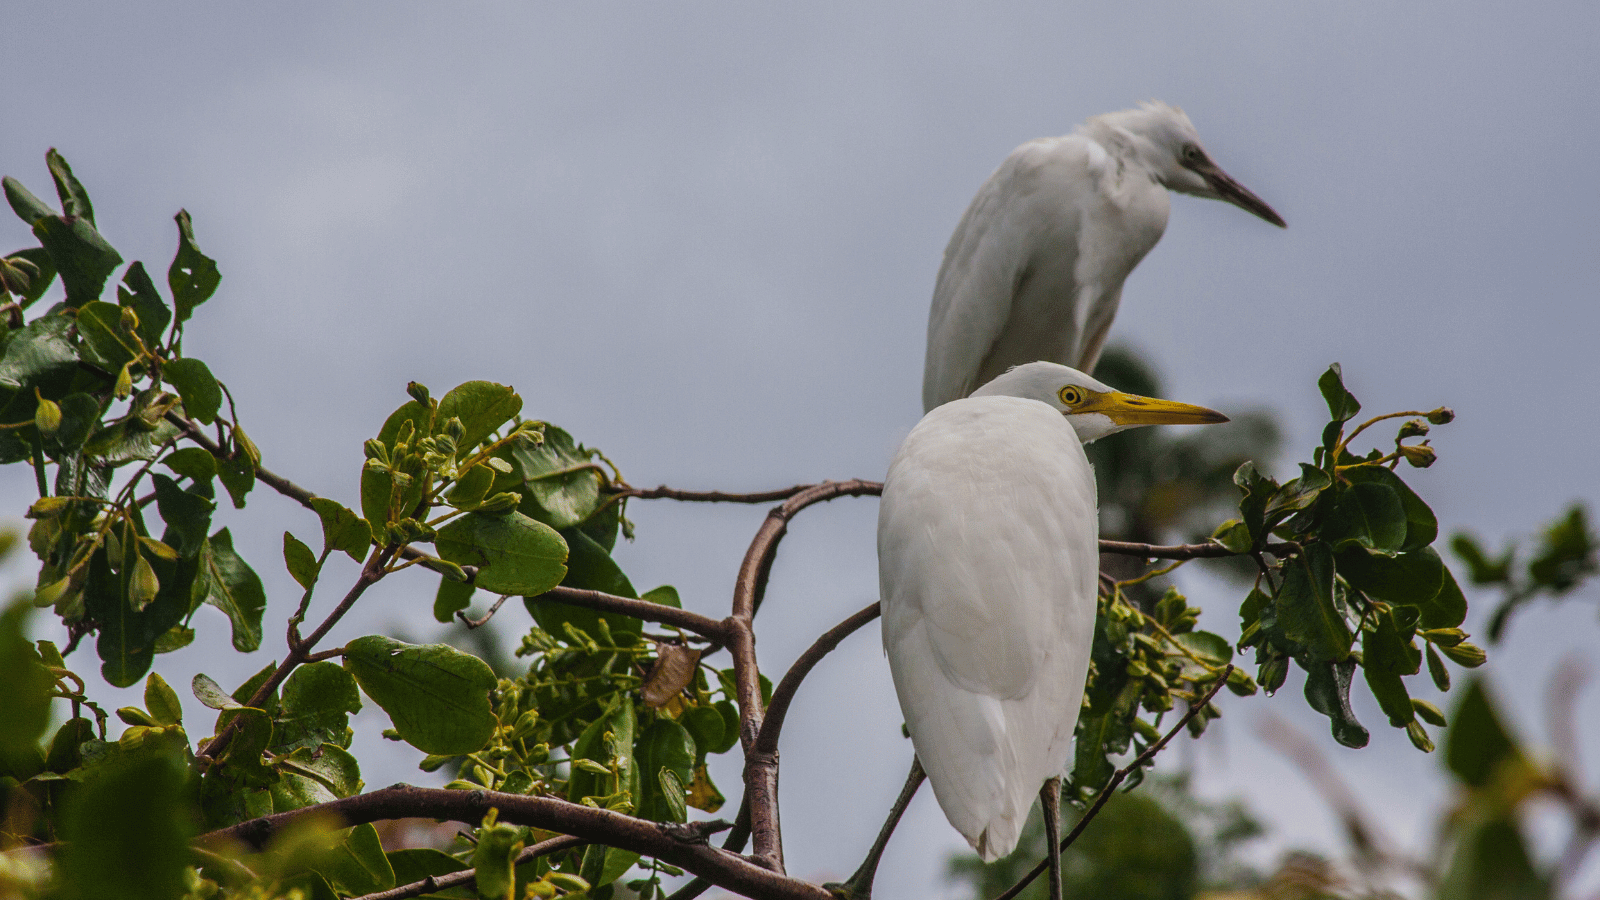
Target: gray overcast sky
column 702, row 237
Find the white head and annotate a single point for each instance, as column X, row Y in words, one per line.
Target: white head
column 1092, row 408
column 1164, row 140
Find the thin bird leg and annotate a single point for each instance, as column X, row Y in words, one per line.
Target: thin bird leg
column 1050, row 799
column 859, row 887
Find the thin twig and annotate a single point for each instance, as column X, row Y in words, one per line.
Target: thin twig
column 435, row 883
column 477, row 623
column 665, row 493
column 638, row 609
column 277, row 482
column 1116, row 781
column 783, row 694
column 1207, row 550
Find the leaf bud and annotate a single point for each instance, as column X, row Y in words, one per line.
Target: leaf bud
column 454, row 429
column 1420, row 456
column 1413, row 428
column 48, row 507
column 446, row 568
column 375, row 465
column 590, row 766
column 418, row 392
column 1427, row 712
column 1273, row 673
column 1419, row 736
column 426, row 445
column 243, row 443
column 404, row 434
column 526, row 723
column 502, row 466
column 1464, row 654
column 374, row 449
column 47, row 415
column 129, row 320
column 567, row 881
column 1444, row 415
column 143, row 585
column 401, row 480
column 50, row 594
column 528, row 440
column 124, row 386
column 1444, row 637
column 505, row 501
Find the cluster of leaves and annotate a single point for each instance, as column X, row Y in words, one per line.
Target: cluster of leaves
column 1351, row 560
column 1568, row 552
column 103, row 394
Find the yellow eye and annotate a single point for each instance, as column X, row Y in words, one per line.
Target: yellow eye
column 1071, row 396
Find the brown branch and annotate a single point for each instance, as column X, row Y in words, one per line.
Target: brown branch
column 479, row 623
column 639, row 609
column 665, row 493
column 435, row 883
column 1207, row 550
column 1116, row 781
column 679, row 845
column 783, row 694
column 277, row 482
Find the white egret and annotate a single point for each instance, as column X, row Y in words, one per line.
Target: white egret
column 988, row 561
column 1034, row 270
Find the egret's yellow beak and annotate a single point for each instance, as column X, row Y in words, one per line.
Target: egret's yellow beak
column 1132, row 409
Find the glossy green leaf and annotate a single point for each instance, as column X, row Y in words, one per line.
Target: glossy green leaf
column 187, row 514
column 238, row 475
column 1328, row 692
column 39, row 356
column 233, row 587
column 561, row 478
column 66, row 747
column 706, row 728
column 191, row 462
column 126, row 831
column 342, row 529
column 1306, row 609
column 589, row 567
column 1342, row 404
column 437, row 696
column 193, row 276
column 494, row 859
column 202, row 396
column 301, row 562
column 452, row 597
column 1387, row 655
column 482, row 407
column 28, row 208
column 1369, row 514
column 514, row 554
column 1415, row 578
column 26, row 684
column 312, row 775
column 357, row 865
column 208, row 692
column 318, row 700
column 666, row 595
column 1258, row 491
column 40, row 281
column 1298, row 493
column 666, row 755
column 1421, row 525
column 471, row 488
column 620, row 722
column 138, row 293
column 1212, row 648
column 1490, row 861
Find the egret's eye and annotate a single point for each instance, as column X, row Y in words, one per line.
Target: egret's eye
column 1192, row 153
column 1071, row 396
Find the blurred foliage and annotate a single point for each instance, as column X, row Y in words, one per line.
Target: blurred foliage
column 133, row 443
column 1568, row 552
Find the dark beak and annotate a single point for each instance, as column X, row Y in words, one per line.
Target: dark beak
column 1236, row 193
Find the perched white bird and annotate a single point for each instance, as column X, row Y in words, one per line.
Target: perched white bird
column 1035, row 268
column 987, row 568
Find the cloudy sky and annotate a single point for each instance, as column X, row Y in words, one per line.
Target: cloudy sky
column 702, row 237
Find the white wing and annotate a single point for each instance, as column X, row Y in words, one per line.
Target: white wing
column 987, row 564
column 1034, row 270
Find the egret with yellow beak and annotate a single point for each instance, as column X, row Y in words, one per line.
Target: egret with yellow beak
column 988, row 559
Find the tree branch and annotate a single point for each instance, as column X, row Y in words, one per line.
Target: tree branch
column 639, row 609
column 277, row 482
column 783, row 694
column 665, row 493
column 435, row 883
column 1207, row 550
column 1116, row 781
column 678, row 845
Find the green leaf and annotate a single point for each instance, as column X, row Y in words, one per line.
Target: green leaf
column 138, row 293
column 208, row 692
column 437, row 696
column 342, row 529
column 66, row 748
column 666, row 755
column 26, row 684
column 202, row 397
column 318, row 700
column 514, row 554
column 192, row 462
column 665, row 595
column 106, row 344
column 494, row 859
column 40, row 281
column 1369, row 514
column 1212, row 648
column 162, row 701
column 28, row 208
column 125, row 833
column 706, row 727
column 482, row 407
column 1342, row 404
column 603, row 865
column 1437, row 671
column 310, row 776
column 620, row 722
column 1387, row 654
column 1233, row 534
column 1416, row 578
column 238, row 474
column 176, row 638
column 1478, row 745
column 560, row 477
column 39, row 356
column 302, row 563
column 82, row 256
column 471, row 488
column 187, row 514
column 358, row 865
column 1328, row 692
column 1258, row 490
column 1490, row 861
column 233, row 587
column 193, row 276
column 1421, row 525
column 452, row 597
column 1306, row 609
column 589, row 567
column 74, row 198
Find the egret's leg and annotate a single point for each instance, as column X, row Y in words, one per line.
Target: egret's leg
column 1050, row 799
column 859, row 887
